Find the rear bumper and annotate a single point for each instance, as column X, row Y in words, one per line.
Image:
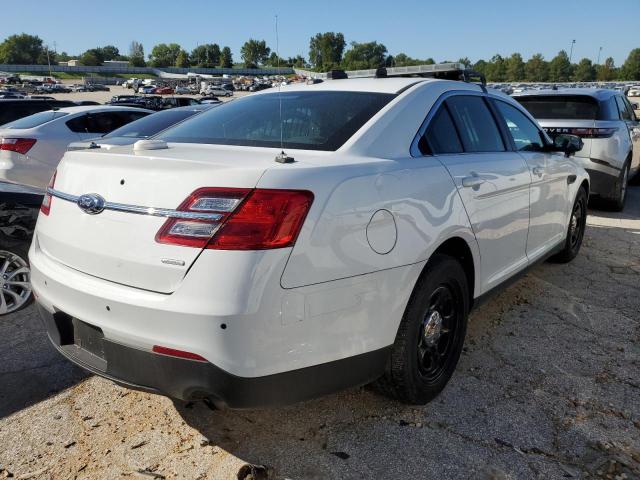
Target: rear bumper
column 602, row 176
column 192, row 380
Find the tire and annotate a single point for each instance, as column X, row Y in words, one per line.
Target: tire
column 430, row 336
column 15, row 277
column 575, row 230
column 617, row 204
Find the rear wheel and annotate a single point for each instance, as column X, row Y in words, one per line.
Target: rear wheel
column 575, row 231
column 431, row 334
column 15, row 276
column 621, row 189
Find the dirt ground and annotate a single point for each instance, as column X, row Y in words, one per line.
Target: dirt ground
column 548, row 387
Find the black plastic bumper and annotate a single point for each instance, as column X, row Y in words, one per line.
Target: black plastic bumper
column 601, row 184
column 184, row 379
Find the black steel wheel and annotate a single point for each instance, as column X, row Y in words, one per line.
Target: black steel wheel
column 575, row 230
column 431, row 334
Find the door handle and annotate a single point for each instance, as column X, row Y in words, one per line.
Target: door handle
column 539, row 171
column 472, row 181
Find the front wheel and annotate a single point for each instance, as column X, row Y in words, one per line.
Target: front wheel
column 431, row 334
column 575, row 231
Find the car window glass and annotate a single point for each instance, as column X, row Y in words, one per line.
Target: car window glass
column 526, row 136
column 630, row 110
column 622, row 109
column 151, row 124
column 35, row 120
column 78, row 124
column 476, row 126
column 441, row 135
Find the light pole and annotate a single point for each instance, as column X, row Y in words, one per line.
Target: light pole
column 599, row 52
column 573, row 42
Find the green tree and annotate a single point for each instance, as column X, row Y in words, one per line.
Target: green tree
column 325, row 50
column 496, row 70
column 298, row 61
column 92, row 57
column 585, row 71
column 254, row 52
column 226, row 59
column 364, row 55
column 404, row 60
column 164, row 55
column 109, row 52
column 481, row 67
column 136, row 55
column 182, row 60
column 22, row 49
column 630, row 69
column 206, row 56
column 607, row 71
column 560, row 68
column 275, row 61
column 465, row 61
column 515, row 68
column 536, row 69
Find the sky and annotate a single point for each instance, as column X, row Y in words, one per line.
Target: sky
column 441, row 29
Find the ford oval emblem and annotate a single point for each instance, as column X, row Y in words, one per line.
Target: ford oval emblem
column 91, row 203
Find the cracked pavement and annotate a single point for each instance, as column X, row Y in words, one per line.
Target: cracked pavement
column 548, row 387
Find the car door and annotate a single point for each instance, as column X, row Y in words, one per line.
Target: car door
column 549, row 192
column 634, row 132
column 492, row 181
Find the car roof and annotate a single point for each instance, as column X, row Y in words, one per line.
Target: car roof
column 597, row 93
column 372, row 85
column 101, row 108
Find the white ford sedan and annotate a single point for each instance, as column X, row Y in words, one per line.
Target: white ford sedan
column 207, row 263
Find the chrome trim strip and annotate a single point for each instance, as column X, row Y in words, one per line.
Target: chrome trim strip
column 155, row 212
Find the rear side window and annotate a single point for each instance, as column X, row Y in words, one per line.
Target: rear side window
column 561, row 107
column 35, row 120
column 441, row 136
column 476, row 125
column 526, row 136
column 320, row 120
column 622, row 109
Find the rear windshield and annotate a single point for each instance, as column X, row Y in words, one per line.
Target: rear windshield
column 309, row 120
column 561, row 107
column 151, row 124
column 35, row 120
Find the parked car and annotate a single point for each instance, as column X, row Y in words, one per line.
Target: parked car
column 606, row 122
column 79, row 88
column 31, row 147
column 287, row 245
column 173, row 102
column 210, row 99
column 180, row 90
column 13, row 109
column 163, row 91
column 140, row 129
column 216, row 91
column 98, row 87
column 146, row 89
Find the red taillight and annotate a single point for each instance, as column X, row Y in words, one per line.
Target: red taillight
column 45, row 207
column 584, row 132
column 171, row 352
column 19, row 145
column 248, row 219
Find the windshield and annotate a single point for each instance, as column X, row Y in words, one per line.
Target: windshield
column 151, row 124
column 35, row 120
column 561, row 107
column 321, row 120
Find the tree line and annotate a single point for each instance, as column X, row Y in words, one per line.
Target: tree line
column 327, row 51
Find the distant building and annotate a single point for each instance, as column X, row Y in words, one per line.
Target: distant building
column 70, row 63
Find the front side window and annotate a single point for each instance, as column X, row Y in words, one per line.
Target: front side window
column 476, row 125
column 441, row 136
column 526, row 136
column 320, row 120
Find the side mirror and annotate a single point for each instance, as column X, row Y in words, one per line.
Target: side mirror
column 569, row 144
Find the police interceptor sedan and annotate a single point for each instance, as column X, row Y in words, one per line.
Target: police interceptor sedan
column 292, row 243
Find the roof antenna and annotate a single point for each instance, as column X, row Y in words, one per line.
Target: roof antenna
column 281, row 157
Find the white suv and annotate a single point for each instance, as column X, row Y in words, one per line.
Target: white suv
column 207, row 263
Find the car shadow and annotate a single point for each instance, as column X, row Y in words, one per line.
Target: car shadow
column 31, row 369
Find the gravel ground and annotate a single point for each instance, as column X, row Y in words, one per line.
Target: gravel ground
column 548, row 387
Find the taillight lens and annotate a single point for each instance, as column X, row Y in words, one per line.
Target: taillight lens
column 585, row 132
column 19, row 145
column 45, row 207
column 248, row 219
